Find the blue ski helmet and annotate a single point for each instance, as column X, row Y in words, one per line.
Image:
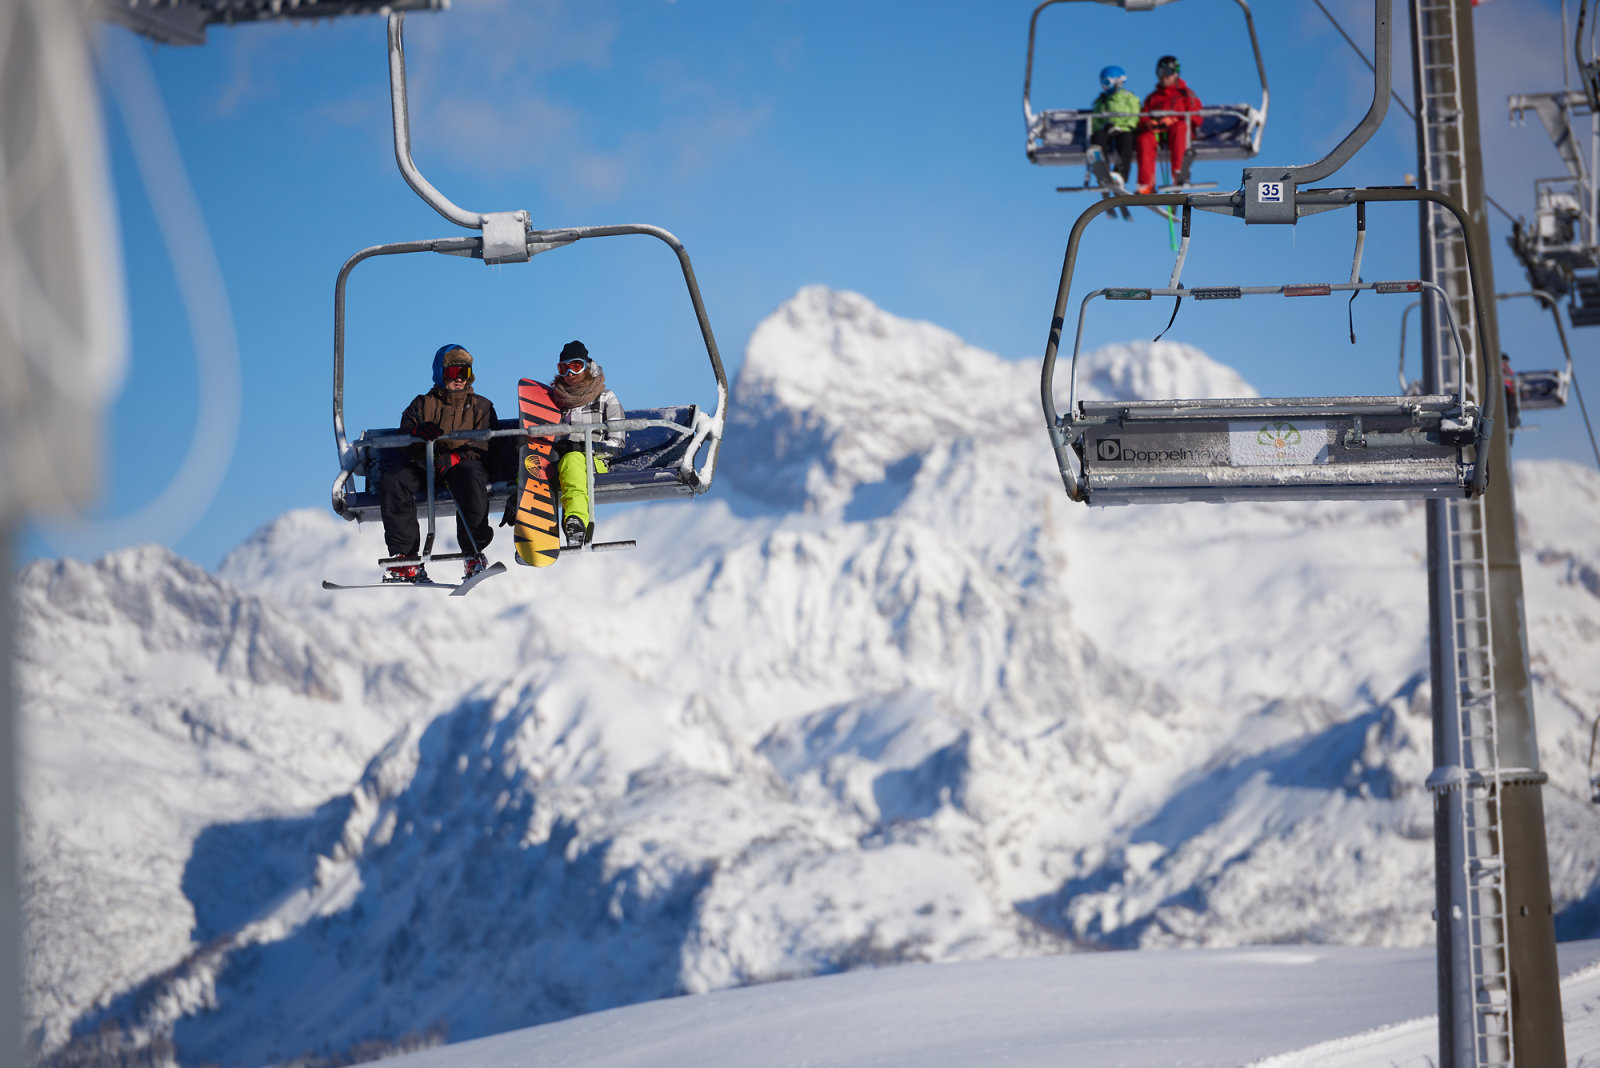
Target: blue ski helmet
column 1112, row 76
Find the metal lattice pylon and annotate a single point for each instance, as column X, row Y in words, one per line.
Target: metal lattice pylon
column 1471, row 783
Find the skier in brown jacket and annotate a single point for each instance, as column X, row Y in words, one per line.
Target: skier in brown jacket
column 451, row 405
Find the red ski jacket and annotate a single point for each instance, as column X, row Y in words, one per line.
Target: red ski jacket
column 1175, row 97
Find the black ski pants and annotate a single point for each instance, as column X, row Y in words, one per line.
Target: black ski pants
column 469, row 485
column 1118, row 147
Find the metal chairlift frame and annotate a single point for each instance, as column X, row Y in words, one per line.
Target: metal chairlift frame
column 1255, row 118
column 1560, row 251
column 508, row 237
column 1273, row 195
column 1528, row 400
column 1588, row 68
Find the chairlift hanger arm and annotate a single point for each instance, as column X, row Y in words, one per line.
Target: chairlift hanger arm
column 402, row 133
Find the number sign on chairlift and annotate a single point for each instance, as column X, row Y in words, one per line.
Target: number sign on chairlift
column 1060, row 137
column 667, row 452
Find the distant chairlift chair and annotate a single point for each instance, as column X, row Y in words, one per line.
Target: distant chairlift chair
column 1060, row 137
column 666, row 452
column 1536, row 390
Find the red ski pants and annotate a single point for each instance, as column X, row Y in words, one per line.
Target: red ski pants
column 1177, row 138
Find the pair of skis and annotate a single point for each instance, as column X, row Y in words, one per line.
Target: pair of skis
column 1109, row 184
column 535, row 530
column 457, row 589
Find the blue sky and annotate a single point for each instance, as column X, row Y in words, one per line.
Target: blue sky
column 870, row 146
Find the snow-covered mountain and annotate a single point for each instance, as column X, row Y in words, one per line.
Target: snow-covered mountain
column 886, row 695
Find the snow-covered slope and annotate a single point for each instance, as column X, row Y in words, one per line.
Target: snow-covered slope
column 1273, row 1007
column 887, row 696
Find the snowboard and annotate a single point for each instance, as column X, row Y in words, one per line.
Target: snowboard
column 538, row 538
column 458, row 589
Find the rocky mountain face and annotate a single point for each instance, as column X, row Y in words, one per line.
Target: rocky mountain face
column 886, row 695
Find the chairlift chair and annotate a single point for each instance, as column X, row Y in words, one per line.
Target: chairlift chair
column 1429, row 445
column 1535, row 390
column 1060, row 137
column 667, row 452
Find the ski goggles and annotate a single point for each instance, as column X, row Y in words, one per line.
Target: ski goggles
column 572, row 367
column 1167, row 68
column 458, row 372
column 1112, row 83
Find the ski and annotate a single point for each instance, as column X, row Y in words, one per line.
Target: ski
column 457, row 589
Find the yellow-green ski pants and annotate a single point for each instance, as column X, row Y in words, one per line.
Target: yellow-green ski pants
column 574, row 483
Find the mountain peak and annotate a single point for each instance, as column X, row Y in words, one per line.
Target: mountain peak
column 835, row 393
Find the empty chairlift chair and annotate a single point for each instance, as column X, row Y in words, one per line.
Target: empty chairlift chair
column 1413, row 446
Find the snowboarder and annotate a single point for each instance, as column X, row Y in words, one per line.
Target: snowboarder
column 1171, row 94
column 579, row 389
column 1112, row 137
column 451, row 405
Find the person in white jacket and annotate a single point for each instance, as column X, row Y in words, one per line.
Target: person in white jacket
column 579, row 390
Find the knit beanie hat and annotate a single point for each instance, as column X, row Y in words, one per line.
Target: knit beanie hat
column 574, row 350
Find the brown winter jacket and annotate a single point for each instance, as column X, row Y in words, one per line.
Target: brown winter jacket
column 464, row 410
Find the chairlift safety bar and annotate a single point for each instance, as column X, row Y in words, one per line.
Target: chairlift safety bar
column 1236, row 292
column 588, row 431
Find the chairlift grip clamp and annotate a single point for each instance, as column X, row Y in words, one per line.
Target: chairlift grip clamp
column 505, row 237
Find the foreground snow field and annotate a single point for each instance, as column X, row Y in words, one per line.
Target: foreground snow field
column 1275, row 1007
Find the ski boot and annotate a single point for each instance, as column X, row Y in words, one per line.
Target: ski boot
column 576, row 530
column 405, row 572
column 474, row 565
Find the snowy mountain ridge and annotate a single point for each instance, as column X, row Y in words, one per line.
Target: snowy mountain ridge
column 886, row 696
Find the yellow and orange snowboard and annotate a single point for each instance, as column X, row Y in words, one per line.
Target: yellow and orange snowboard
column 537, row 533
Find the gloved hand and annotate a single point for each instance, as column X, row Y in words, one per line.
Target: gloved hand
column 427, row 431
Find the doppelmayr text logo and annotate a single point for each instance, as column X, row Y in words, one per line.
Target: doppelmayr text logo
column 1111, row 450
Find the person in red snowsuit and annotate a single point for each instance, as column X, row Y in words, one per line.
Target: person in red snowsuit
column 1171, row 94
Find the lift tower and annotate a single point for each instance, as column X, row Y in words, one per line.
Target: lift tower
column 1499, row 992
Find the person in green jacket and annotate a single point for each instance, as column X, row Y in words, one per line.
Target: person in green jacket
column 1113, row 135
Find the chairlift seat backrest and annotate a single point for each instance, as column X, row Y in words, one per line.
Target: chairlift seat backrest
column 649, row 466
column 1542, row 390
column 1062, row 137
